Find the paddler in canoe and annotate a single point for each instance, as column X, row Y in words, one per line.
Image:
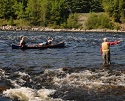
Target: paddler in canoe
column 105, row 50
column 47, row 42
column 23, row 41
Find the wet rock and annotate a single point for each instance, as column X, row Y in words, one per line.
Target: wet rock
column 65, row 69
column 2, row 88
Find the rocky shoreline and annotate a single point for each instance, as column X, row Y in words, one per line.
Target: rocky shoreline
column 14, row 28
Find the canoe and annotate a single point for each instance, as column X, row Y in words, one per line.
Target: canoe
column 57, row 45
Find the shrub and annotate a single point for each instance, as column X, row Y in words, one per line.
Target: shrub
column 72, row 22
column 11, row 22
column 99, row 21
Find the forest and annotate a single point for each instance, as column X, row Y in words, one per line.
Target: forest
column 61, row 13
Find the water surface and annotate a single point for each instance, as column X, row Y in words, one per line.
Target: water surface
column 71, row 73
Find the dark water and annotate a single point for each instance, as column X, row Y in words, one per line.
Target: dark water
column 72, row 73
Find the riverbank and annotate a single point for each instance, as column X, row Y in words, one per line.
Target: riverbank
column 46, row 29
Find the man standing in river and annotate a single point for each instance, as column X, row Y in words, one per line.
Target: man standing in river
column 105, row 50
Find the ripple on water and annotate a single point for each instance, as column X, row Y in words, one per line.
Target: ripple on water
column 72, row 73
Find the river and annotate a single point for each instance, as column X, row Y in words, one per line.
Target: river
column 73, row 73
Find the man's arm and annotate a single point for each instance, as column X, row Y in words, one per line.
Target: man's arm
column 114, row 43
column 20, row 42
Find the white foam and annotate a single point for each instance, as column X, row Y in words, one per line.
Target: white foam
column 98, row 79
column 22, row 94
column 22, row 74
column 28, row 94
column 44, row 93
column 2, row 73
column 90, row 79
column 14, row 83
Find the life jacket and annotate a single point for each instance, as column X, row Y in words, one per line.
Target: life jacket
column 105, row 47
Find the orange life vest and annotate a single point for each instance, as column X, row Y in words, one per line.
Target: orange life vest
column 105, row 47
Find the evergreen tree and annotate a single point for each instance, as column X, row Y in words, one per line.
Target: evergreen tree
column 96, row 6
column 33, row 11
column 6, row 8
column 115, row 8
column 43, row 12
column 58, row 12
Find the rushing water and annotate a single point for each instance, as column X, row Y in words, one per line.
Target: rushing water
column 73, row 73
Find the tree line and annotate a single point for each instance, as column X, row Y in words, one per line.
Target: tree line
column 58, row 12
